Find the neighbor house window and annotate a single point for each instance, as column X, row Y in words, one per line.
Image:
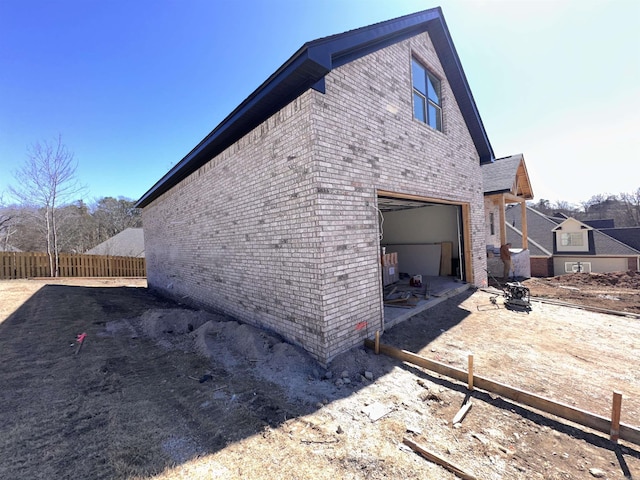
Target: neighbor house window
column 492, row 224
column 572, row 239
column 426, row 96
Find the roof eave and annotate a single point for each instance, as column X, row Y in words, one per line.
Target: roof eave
column 307, row 69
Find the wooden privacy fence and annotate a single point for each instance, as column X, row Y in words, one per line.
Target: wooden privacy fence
column 36, row 264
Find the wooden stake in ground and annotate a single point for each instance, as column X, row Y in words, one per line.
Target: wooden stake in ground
column 568, row 412
column 470, row 376
column 615, row 417
column 439, row 460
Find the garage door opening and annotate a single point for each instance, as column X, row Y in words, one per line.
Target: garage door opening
column 423, row 244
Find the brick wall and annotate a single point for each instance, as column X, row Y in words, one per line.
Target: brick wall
column 542, row 267
column 367, row 140
column 281, row 230
column 240, row 234
column 490, row 206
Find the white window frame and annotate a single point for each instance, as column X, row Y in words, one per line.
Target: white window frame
column 573, row 239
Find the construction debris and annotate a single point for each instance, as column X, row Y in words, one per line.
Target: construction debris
column 462, row 413
column 438, row 460
column 376, row 411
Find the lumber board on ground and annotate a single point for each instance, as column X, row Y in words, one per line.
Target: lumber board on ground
column 576, row 415
column 438, row 460
column 462, row 413
column 432, row 365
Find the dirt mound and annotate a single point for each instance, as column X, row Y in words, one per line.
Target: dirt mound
column 156, row 323
column 629, row 279
column 264, row 354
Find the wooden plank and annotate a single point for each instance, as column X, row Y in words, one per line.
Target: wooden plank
column 616, row 407
column 22, row 269
column 446, row 252
column 432, row 365
column 467, row 255
column 5, row 265
column 576, row 415
column 503, row 226
column 429, row 455
column 523, row 223
column 458, row 417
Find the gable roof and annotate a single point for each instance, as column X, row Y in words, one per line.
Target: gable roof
column 307, row 69
column 127, row 243
column 540, row 230
column 571, row 220
column 507, row 175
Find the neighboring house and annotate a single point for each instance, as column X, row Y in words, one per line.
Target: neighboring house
column 561, row 244
column 128, row 243
column 506, row 182
column 627, row 235
column 361, row 140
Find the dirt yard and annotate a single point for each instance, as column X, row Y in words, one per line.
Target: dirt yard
column 161, row 391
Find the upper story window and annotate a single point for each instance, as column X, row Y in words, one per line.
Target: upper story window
column 426, row 96
column 572, row 239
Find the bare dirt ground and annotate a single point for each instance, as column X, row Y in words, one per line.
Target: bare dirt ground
column 162, row 391
column 618, row 291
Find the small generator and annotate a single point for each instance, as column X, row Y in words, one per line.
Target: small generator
column 516, row 295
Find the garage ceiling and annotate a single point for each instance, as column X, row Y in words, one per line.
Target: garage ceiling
column 390, row 204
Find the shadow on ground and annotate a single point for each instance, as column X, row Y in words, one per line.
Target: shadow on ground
column 157, row 384
column 134, row 401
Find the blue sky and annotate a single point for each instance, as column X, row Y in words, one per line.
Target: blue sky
column 133, row 85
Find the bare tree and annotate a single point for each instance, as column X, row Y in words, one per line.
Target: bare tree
column 631, row 202
column 6, row 223
column 46, row 181
column 115, row 215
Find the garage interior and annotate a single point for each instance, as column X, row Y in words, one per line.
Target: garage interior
column 422, row 245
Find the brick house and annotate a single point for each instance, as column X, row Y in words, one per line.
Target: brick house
column 506, row 183
column 559, row 244
column 364, row 139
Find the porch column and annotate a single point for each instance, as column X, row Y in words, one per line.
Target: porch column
column 503, row 226
column 525, row 236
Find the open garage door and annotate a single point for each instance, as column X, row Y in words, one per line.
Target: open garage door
column 423, row 242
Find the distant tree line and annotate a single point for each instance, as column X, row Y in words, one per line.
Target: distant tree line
column 80, row 226
column 623, row 209
column 42, row 213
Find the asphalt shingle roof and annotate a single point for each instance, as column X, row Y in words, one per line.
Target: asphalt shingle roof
column 539, row 228
column 540, row 232
column 627, row 235
column 128, row 243
column 500, row 175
